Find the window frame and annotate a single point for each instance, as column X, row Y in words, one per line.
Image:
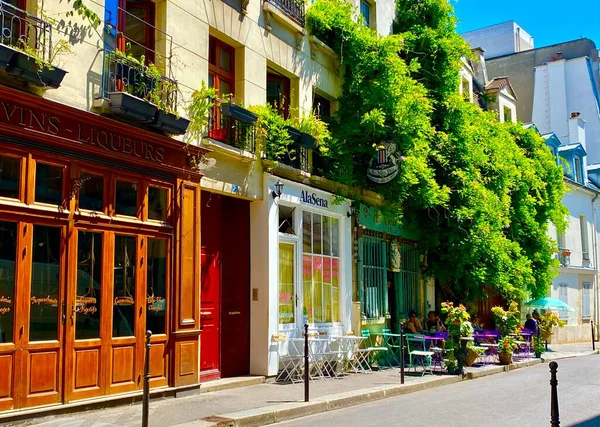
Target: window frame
column 273, row 76
column 586, row 286
column 219, row 74
column 34, row 160
column 578, row 169
column 122, row 37
column 22, row 157
column 369, row 7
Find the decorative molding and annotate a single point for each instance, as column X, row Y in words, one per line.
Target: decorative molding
column 273, row 12
column 317, row 45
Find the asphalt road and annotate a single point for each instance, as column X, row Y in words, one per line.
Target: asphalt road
column 517, row 398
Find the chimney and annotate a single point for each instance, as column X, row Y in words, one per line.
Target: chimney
column 577, row 129
column 559, row 55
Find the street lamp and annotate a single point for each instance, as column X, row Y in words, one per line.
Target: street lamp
column 278, row 189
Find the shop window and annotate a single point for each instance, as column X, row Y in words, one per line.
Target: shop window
column 374, row 277
column 124, row 286
column 278, row 92
column 286, row 284
column 89, row 281
column 10, row 176
column 365, row 12
column 158, row 202
column 320, row 277
column 45, row 283
column 48, row 184
column 8, row 252
column 91, row 192
column 286, row 220
column 221, row 67
column 126, row 198
column 322, row 108
column 136, row 28
column 156, row 285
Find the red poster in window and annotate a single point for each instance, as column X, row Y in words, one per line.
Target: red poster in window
column 335, row 268
column 307, row 265
column 317, row 263
column 326, row 270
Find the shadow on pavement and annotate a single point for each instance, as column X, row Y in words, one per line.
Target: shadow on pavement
column 592, row 422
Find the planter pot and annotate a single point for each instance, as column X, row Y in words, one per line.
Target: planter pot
column 307, row 141
column 545, row 335
column 238, row 113
column 538, row 355
column 295, row 134
column 132, row 107
column 505, row 358
column 472, row 356
column 24, row 67
column 170, row 123
column 6, row 54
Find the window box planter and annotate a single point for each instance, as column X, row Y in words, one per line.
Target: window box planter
column 24, row 67
column 170, row 123
column 238, row 113
column 295, row 134
column 566, row 253
column 132, row 107
column 6, row 54
column 307, row 141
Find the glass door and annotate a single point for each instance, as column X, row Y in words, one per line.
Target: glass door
column 288, row 296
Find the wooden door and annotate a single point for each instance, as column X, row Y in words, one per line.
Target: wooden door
column 235, row 309
column 41, row 313
column 210, row 297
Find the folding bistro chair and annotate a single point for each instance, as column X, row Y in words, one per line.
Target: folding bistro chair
column 291, row 360
column 373, row 352
column 418, row 356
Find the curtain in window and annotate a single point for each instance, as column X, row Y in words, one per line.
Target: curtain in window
column 286, row 283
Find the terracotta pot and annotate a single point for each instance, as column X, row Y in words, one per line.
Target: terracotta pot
column 546, row 335
column 505, row 358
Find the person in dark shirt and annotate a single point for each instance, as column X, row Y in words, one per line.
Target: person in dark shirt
column 434, row 322
column 530, row 323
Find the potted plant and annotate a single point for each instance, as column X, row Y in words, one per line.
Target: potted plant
column 29, row 66
column 314, row 131
column 458, row 327
column 238, row 112
column 6, row 54
column 507, row 322
column 566, row 252
column 547, row 321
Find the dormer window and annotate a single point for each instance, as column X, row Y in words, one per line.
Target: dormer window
column 578, row 171
column 507, row 114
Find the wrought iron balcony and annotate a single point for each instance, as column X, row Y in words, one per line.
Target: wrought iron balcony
column 294, row 9
column 25, row 31
column 232, row 125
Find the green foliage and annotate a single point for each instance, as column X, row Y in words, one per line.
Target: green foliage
column 272, row 131
column 59, row 49
column 507, row 321
column 315, row 127
column 197, row 112
column 477, row 193
column 81, row 9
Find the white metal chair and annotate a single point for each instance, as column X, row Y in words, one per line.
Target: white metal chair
column 291, row 360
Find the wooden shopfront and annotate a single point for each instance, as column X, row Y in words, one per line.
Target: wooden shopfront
column 99, row 241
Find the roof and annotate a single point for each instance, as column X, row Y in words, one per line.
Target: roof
column 499, row 83
column 572, row 147
column 551, row 138
column 593, row 167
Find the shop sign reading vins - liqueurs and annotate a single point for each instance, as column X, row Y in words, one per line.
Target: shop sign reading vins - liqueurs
column 384, row 165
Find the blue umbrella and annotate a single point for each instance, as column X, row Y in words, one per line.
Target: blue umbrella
column 548, row 303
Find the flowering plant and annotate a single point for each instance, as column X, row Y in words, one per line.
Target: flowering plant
column 457, row 321
column 507, row 321
column 548, row 320
column 507, row 344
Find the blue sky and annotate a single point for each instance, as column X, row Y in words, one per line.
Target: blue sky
column 548, row 21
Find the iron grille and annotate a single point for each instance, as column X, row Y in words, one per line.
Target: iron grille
column 292, row 8
column 22, row 30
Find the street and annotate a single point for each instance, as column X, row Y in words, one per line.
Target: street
column 517, row 398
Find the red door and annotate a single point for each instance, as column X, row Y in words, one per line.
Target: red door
column 210, row 301
column 235, row 306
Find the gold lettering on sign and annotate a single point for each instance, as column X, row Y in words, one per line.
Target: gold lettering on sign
column 232, row 313
column 123, row 301
column 85, row 300
column 5, row 300
column 79, row 132
column 206, row 313
column 87, row 310
column 4, row 310
column 43, row 300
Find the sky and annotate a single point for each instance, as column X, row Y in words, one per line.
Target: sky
column 547, row 21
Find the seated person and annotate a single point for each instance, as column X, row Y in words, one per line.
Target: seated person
column 477, row 325
column 414, row 324
column 434, row 322
column 530, row 323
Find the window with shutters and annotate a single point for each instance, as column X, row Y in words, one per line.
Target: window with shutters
column 563, row 295
column 585, row 303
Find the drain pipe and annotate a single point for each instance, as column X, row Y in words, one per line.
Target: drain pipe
column 596, row 314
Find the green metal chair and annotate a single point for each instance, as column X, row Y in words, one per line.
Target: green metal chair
column 418, row 355
column 392, row 342
column 370, row 353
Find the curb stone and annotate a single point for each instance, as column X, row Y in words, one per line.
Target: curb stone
column 569, row 356
column 289, row 411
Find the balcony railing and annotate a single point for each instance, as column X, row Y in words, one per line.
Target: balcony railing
column 232, row 125
column 294, row 9
column 296, row 156
column 25, row 31
column 127, row 75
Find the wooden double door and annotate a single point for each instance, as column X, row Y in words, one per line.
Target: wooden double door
column 74, row 306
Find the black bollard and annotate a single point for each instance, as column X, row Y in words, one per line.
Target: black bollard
column 593, row 338
column 146, row 402
column 554, row 417
column 306, row 364
column 401, row 353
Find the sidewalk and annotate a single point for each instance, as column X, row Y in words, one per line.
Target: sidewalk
column 270, row 402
